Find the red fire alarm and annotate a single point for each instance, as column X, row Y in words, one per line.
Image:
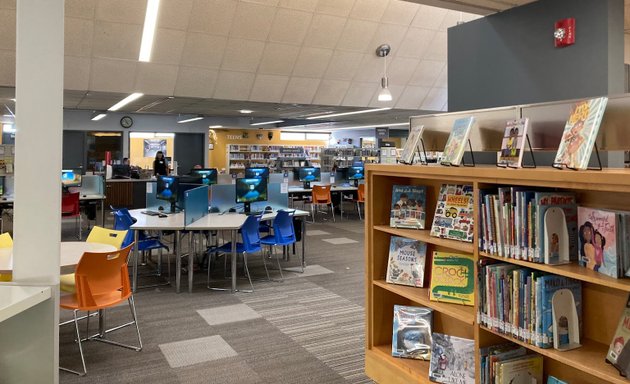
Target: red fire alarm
column 564, row 32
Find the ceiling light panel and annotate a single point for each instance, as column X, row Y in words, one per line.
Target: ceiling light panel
column 148, row 33
column 125, row 101
column 347, row 113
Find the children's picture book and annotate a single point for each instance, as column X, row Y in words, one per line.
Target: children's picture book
column 513, row 143
column 408, row 206
column 555, row 380
column 549, row 285
column 452, row 278
column 412, row 332
column 619, row 350
column 598, row 240
column 457, row 141
column 489, row 356
column 568, row 203
column 411, row 146
column 452, row 359
column 521, row 370
column 406, row 264
column 453, row 217
column 580, row 133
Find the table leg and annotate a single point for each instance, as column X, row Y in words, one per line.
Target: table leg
column 191, row 256
column 178, row 263
column 103, row 213
column 101, row 323
column 303, row 243
column 233, row 260
column 134, row 277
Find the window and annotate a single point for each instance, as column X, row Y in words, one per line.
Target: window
column 295, row 136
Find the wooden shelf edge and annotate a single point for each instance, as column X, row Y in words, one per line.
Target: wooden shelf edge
column 383, row 368
column 463, row 313
column 589, row 358
column 424, row 236
column 573, row 271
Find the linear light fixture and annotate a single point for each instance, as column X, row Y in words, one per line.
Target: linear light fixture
column 148, row 33
column 215, row 126
column 268, row 122
column 246, row 111
column 348, row 113
column 125, row 101
column 332, row 128
column 164, row 135
column 99, row 116
column 189, row 120
column 8, row 128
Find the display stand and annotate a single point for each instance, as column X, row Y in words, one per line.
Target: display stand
column 531, row 154
column 598, row 168
column 472, row 156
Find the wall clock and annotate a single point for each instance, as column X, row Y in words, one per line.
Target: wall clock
column 126, row 122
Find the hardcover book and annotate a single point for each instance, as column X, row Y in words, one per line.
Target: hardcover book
column 408, row 206
column 406, row 264
column 549, row 285
column 513, row 143
column 566, row 201
column 452, row 278
column 457, row 141
column 454, row 213
column 412, row 332
column 598, row 240
column 452, row 359
column 580, row 133
column 555, row 380
column 619, row 350
column 521, row 370
column 411, row 146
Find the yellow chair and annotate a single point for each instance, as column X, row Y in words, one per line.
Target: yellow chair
column 97, row 235
column 6, row 242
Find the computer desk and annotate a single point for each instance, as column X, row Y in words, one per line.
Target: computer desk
column 10, row 199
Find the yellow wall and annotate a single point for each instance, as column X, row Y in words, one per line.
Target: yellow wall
column 218, row 156
column 136, row 152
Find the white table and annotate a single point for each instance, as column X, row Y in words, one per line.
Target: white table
column 333, row 188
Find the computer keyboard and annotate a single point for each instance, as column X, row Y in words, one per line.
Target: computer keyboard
column 151, row 213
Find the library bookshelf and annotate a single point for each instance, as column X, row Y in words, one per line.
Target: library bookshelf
column 603, row 297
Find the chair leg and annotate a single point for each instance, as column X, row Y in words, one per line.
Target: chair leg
column 280, row 267
column 332, row 208
column 247, row 271
column 78, row 335
column 134, row 321
column 132, row 307
column 359, row 210
column 265, row 263
column 313, row 211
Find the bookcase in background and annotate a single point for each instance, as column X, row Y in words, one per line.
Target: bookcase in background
column 604, row 298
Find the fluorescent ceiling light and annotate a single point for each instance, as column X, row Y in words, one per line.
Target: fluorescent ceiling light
column 189, row 120
column 8, row 128
column 164, row 135
column 7, row 115
column 13, row 100
column 246, row 111
column 215, row 126
column 125, row 101
column 150, row 20
column 141, row 135
column 268, row 122
column 347, row 113
column 99, row 116
column 332, row 128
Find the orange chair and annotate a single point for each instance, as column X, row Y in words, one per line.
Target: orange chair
column 360, row 199
column 321, row 196
column 102, row 281
column 70, row 208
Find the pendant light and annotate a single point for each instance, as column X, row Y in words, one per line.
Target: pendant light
column 382, row 51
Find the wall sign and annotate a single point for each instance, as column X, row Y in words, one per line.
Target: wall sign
column 234, row 137
column 382, row 133
column 152, row 146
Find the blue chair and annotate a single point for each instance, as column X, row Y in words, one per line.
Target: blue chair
column 251, row 244
column 283, row 235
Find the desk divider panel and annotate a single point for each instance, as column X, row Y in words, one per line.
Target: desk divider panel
column 92, row 185
column 9, row 185
column 223, row 196
column 195, row 204
column 224, row 179
column 152, row 202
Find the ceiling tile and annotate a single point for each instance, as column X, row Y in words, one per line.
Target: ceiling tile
column 435, row 100
column 412, row 97
column 174, row 14
column 300, row 90
column 290, row 26
column 7, row 29
column 252, row 21
column 427, row 73
column 343, row 65
column 369, row 9
column 7, row 68
column 324, row 31
column 271, row 3
column 78, row 36
column 168, row 46
column 357, row 35
column 451, row 19
column 396, row 91
column 234, row 85
column 389, row 34
column 203, row 50
column 400, row 12
column 269, row 88
column 303, row 5
column 415, row 43
column 212, row 16
column 196, row 82
column 312, row 62
column 437, row 50
column 7, row 4
column 156, row 79
column 116, row 41
column 80, row 8
column 76, row 73
column 242, row 55
column 109, row 75
column 371, row 68
column 278, row 59
column 121, row 11
column 401, row 69
column 335, row 7
column 442, row 79
column 331, row 92
column 429, row 17
column 359, row 94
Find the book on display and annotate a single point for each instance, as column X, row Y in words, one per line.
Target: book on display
column 598, row 240
column 408, row 206
column 513, row 143
column 619, row 350
column 457, row 141
column 454, row 217
column 412, row 332
column 411, row 145
column 406, row 263
column 452, row 278
column 452, row 359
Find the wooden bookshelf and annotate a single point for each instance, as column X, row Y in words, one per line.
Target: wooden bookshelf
column 603, row 298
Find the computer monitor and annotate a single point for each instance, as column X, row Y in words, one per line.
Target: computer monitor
column 121, row 171
column 257, row 172
column 167, row 190
column 70, row 178
column 355, row 173
column 308, row 175
column 250, row 190
column 208, row 176
column 1, row 185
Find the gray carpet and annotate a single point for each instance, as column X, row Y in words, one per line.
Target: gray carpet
column 307, row 329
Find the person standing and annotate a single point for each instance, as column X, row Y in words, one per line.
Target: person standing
column 160, row 167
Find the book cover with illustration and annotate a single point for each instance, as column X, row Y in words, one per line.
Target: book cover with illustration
column 555, row 380
column 411, row 145
column 568, row 202
column 580, row 133
column 457, row 141
column 619, row 350
column 513, row 143
column 521, row 370
column 408, row 206
column 412, row 332
column 454, row 213
column 598, row 240
column 452, row 359
column 407, row 260
column 549, row 285
column 452, row 278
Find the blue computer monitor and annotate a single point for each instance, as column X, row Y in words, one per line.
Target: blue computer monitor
column 250, row 190
column 257, row 172
column 308, row 175
column 167, row 190
column 208, row 176
column 355, row 173
column 70, row 178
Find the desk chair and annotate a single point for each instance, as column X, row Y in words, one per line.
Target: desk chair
column 321, row 196
column 283, row 235
column 102, row 282
column 6, row 242
column 70, row 209
column 360, row 199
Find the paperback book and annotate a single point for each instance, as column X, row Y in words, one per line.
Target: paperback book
column 411, row 145
column 619, row 350
column 412, row 332
column 406, row 263
column 513, row 143
column 452, row 359
column 489, row 356
column 457, row 141
column 408, row 206
column 452, row 278
column 598, row 240
column 521, row 370
column 453, row 217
